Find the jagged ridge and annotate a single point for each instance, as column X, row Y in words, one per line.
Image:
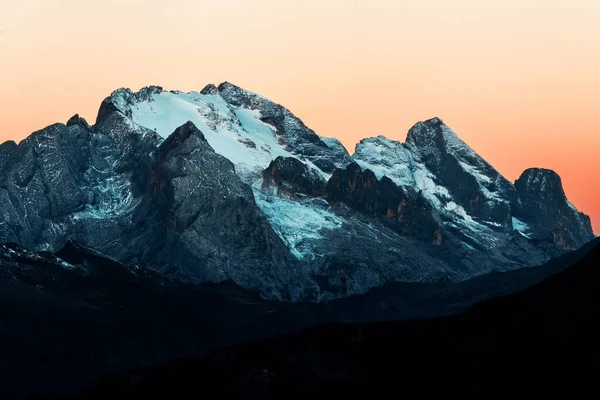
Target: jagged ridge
column 226, row 184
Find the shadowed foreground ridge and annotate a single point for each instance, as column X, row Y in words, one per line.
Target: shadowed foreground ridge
column 544, row 336
column 71, row 317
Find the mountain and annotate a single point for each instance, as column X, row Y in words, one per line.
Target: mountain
column 224, row 184
column 73, row 316
column 542, row 338
column 546, row 206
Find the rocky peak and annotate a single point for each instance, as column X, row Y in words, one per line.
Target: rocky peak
column 549, row 213
column 239, row 97
column 541, row 183
column 209, row 226
column 380, row 150
column 475, row 185
column 122, row 99
column 106, row 108
column 428, row 137
column 293, row 177
column 433, row 140
column 118, row 101
column 178, row 137
column 6, row 148
column 209, row 89
column 146, row 93
column 77, row 120
column 423, row 127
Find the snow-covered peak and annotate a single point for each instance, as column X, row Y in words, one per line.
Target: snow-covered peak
column 382, row 150
column 427, row 136
column 404, row 167
column 389, row 158
column 464, row 189
column 443, row 151
column 238, row 96
column 433, row 139
column 249, row 130
column 245, row 127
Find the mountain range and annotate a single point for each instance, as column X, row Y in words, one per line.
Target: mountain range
column 180, row 224
column 224, row 184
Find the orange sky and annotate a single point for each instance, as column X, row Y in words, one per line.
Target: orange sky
column 519, row 80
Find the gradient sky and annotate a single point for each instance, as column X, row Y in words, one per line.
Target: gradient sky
column 519, row 80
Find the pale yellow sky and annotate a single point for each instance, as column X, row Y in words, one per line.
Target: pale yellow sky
column 518, row 80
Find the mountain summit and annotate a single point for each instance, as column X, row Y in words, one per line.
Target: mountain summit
column 225, row 184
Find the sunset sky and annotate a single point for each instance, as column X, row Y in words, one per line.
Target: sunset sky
column 519, row 80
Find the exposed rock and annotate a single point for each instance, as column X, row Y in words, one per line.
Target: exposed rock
column 403, row 210
column 473, row 183
column 293, row 177
column 210, row 89
column 77, row 120
column 291, row 131
column 209, row 227
column 549, row 213
column 5, row 149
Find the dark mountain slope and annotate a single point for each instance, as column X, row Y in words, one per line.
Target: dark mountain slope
column 69, row 317
column 542, row 338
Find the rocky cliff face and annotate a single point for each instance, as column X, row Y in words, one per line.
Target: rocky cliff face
column 549, row 213
column 473, row 183
column 226, row 184
column 207, row 224
column 292, row 177
column 402, row 209
column 468, row 192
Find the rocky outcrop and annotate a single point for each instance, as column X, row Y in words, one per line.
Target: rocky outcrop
column 177, row 206
column 327, row 154
column 77, row 120
column 474, row 183
column 548, row 212
column 41, row 183
column 292, row 177
column 208, row 226
column 402, row 210
column 5, row 149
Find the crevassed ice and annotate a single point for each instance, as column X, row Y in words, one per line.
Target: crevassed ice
column 297, row 222
column 250, row 144
column 234, row 132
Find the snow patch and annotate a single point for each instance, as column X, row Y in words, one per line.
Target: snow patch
column 458, row 210
column 297, row 223
column 397, row 162
column 239, row 134
column 521, row 227
column 234, row 132
column 468, row 246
